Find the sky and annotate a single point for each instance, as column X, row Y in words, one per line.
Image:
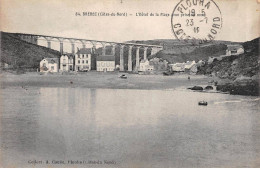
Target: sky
column 57, row 18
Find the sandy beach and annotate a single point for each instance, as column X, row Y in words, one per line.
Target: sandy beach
column 107, row 80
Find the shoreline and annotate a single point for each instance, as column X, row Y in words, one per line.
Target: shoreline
column 111, row 80
column 107, row 80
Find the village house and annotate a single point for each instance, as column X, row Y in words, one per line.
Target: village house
column 234, row 50
column 83, row 59
column 178, row 67
column 145, row 66
column 231, row 50
column 105, row 63
column 200, row 63
column 49, row 65
column 219, row 58
column 190, row 66
column 67, row 62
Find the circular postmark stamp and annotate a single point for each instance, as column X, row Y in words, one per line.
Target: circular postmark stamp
column 196, row 21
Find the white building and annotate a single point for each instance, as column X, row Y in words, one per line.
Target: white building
column 201, row 63
column 178, row 67
column 83, row 59
column 67, row 62
column 219, row 58
column 234, row 50
column 194, row 69
column 49, row 65
column 145, row 66
column 189, row 64
column 105, row 63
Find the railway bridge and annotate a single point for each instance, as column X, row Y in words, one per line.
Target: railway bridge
column 33, row 38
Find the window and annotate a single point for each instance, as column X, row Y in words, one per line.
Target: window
column 83, row 61
column 64, row 61
column 86, row 61
column 78, row 61
column 52, row 68
column 83, row 55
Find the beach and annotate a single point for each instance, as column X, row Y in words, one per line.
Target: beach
column 109, row 80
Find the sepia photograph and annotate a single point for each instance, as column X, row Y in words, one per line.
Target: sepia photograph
column 129, row 84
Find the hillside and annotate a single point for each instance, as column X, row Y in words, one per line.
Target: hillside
column 175, row 51
column 20, row 54
column 174, row 42
column 183, row 54
column 237, row 74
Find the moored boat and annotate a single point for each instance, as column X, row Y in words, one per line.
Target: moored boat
column 123, row 76
column 203, row 103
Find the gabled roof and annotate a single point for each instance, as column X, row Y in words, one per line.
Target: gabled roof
column 179, row 65
column 52, row 60
column 106, row 58
column 190, row 63
column 84, row 51
column 70, row 55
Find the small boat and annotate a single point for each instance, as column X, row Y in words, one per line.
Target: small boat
column 203, row 103
column 123, row 76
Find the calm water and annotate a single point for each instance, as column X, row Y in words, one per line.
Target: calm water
column 128, row 128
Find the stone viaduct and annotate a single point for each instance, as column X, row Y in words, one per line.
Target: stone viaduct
column 33, row 38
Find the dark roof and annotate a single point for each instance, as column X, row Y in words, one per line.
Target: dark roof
column 84, row 51
column 106, row 58
column 52, row 60
column 70, row 55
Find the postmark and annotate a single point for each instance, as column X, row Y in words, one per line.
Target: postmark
column 196, row 21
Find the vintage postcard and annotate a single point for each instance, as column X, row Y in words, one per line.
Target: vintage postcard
column 129, row 83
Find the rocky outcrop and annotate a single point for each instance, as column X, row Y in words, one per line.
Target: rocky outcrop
column 237, row 74
column 208, row 88
column 241, row 86
column 196, row 88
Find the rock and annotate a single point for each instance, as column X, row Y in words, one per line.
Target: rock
column 197, row 88
column 224, row 87
column 241, row 87
column 245, row 87
column 208, row 88
column 167, row 73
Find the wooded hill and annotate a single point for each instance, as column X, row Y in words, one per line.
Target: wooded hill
column 21, row 54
